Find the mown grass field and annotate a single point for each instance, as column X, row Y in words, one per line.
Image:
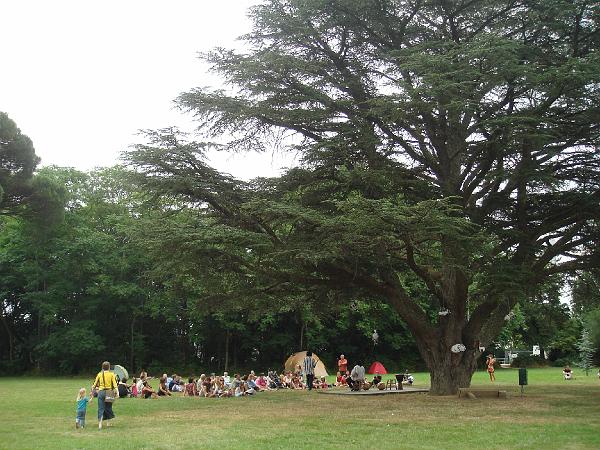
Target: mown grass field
column 554, row 414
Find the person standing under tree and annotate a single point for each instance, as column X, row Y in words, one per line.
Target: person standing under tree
column 342, row 364
column 490, row 367
column 309, row 369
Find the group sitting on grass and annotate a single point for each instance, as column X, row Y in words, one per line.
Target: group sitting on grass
column 242, row 385
column 215, row 386
column 356, row 379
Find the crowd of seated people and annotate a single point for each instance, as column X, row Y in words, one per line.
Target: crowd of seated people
column 213, row 385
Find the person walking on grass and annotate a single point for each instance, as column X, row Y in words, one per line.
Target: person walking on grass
column 106, row 383
column 82, row 402
column 308, row 366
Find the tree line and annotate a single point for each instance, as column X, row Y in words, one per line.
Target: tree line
column 448, row 172
column 100, row 273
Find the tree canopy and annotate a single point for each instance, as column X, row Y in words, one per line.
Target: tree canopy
column 449, row 159
column 17, row 163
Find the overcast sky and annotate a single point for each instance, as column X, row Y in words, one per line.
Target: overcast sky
column 80, row 78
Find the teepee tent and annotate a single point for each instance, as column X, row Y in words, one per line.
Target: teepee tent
column 298, row 358
column 377, row 367
column 120, row 372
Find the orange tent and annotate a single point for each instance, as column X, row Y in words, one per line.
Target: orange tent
column 377, row 367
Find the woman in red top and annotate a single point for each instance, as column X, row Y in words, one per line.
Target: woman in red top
column 343, row 364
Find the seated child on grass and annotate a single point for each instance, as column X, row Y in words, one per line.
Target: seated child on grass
column 163, row 390
column 323, row 383
column 190, row 389
column 147, row 391
column 376, row 380
column 134, row 387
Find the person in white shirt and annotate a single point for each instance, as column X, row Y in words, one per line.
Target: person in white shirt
column 226, row 379
column 140, row 385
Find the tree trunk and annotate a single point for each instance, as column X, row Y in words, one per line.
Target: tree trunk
column 141, row 354
column 227, row 334
column 235, row 355
column 132, row 347
column 451, row 371
column 11, row 339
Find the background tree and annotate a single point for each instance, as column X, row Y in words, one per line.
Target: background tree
column 104, row 275
column 585, row 292
column 17, row 164
column 545, row 315
column 511, row 335
column 69, row 287
column 585, row 301
column 450, row 146
column 586, row 351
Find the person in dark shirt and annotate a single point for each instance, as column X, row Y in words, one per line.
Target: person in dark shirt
column 162, row 387
column 147, row 391
column 123, row 389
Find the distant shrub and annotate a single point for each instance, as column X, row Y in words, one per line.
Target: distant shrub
column 8, row 368
column 562, row 362
column 524, row 360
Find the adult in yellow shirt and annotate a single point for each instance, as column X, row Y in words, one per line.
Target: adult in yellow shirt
column 104, row 382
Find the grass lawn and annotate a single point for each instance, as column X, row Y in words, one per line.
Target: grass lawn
column 554, row 414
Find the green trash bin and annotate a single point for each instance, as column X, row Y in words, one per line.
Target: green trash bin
column 522, row 376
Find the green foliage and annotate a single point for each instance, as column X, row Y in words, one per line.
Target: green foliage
column 545, row 315
column 70, row 286
column 564, row 343
column 448, row 171
column 72, row 348
column 586, row 351
column 78, row 290
column 511, row 336
column 562, row 362
column 448, row 161
column 17, row 163
column 525, row 360
column 592, row 323
column 585, row 292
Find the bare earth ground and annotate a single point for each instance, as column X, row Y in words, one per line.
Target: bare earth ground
column 554, row 414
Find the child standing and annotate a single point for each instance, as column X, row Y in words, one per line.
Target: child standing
column 82, row 402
